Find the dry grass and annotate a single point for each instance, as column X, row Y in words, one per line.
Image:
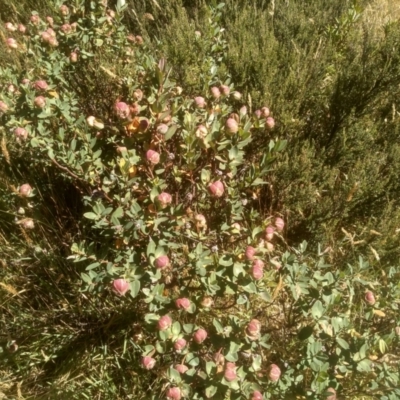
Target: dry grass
column 380, row 12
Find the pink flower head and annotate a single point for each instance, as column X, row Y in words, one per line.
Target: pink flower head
column 21, row 28
column 333, row 395
column 180, row 344
column 161, row 262
column 148, row 362
column 369, row 298
column 120, row 286
column 250, row 252
column 274, row 373
column 20, row 133
column 174, row 393
column 265, row 112
column 40, row 102
column 12, row 43
column 280, row 224
column 231, row 125
column 200, row 336
column 183, row 303
column 256, row 395
column 25, row 190
column 164, row 323
column 122, row 110
column 258, row 114
column 254, row 328
column 216, row 188
column 3, row 107
column 164, row 199
column 215, row 92
column 40, row 85
column 138, row 39
column 35, row 19
column 10, row 27
column 50, row 21
column 181, row 368
column 199, row 102
column 51, row 32
column 201, row 221
column 257, row 270
column 28, row 223
column 73, row 57
column 45, row 36
column 258, row 263
column 230, row 371
column 225, row 90
column 162, row 129
column 66, row 28
column 64, row 10
column 153, row 157
column 243, row 110
column 269, row 233
column 201, row 131
column 270, row 123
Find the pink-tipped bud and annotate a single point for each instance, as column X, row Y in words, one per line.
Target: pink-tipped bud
column 162, row 129
column 230, row 371
column 161, row 262
column 164, row 199
column 35, row 19
column 153, row 157
column 236, row 95
column 256, row 395
column 332, row 395
column 270, row 123
column 174, row 393
column 207, row 302
column 122, row 110
column 120, row 286
column 40, row 85
column 269, row 233
column 199, row 102
column 66, row 28
column 274, row 373
column 253, row 328
column 10, row 27
column 180, row 344
column 40, row 102
column 50, row 21
column 21, row 28
column 73, row 57
column 64, row 10
column 25, row 190
column 164, row 323
column 265, row 112
column 183, row 303
column 20, row 133
column 201, row 132
column 369, row 298
column 11, row 43
column 200, row 336
column 231, row 125
column 181, row 368
column 138, row 95
column 215, row 92
column 3, row 107
column 258, row 114
column 148, row 362
column 216, row 188
column 279, row 224
column 243, row 110
column 225, row 90
column 27, row 223
column 250, row 252
column 257, row 270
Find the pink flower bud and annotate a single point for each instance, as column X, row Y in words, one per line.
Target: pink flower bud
column 258, row 114
column 50, row 21
column 53, row 42
column 258, row 263
column 73, row 57
column 270, row 123
column 216, row 188
column 35, row 19
column 256, row 395
column 64, row 10
column 148, row 362
column 225, row 90
column 183, row 303
column 231, row 126
column 25, row 190
column 257, row 272
column 153, row 157
column 40, row 102
column 164, row 199
column 40, row 85
column 181, row 368
column 66, row 28
column 138, row 40
column 369, row 298
column 138, row 95
column 200, row 336
column 333, row 395
column 254, row 328
column 45, row 37
column 10, row 27
column 12, row 43
column 122, row 110
column 51, row 32
column 199, row 102
column 164, row 323
column 180, row 344
column 120, row 286
column 174, row 393
column 236, row 95
column 215, row 92
column 274, row 373
column 280, row 224
column 269, row 233
column 161, row 262
column 250, row 252
column 27, row 223
column 162, row 129
column 3, row 107
column 20, row 133
column 243, row 110
column 21, row 28
column 201, row 221
column 25, row 81
column 265, row 112
column 201, row 132
column 230, row 372
column 207, row 302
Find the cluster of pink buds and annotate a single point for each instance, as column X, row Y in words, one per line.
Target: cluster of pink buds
column 264, row 112
column 257, row 269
